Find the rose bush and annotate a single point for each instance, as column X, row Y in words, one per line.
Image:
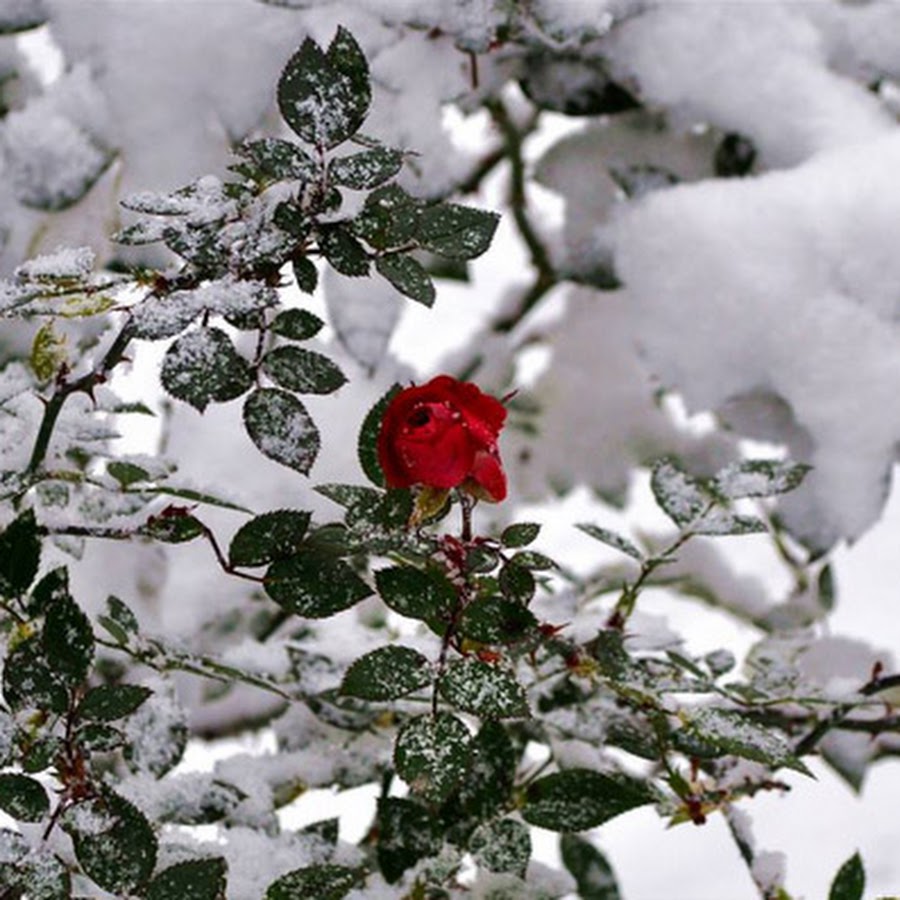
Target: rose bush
column 443, row 435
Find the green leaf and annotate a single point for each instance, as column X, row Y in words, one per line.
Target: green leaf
column 108, row 702
column 314, row 585
column 850, row 881
column 682, row 498
column 719, row 522
column 366, row 170
column 194, row 879
column 589, row 868
column 162, row 317
column 729, row 731
column 273, row 535
column 521, row 534
column 119, row 620
column 389, row 218
column 282, row 429
column 127, row 473
column 431, row 754
column 297, row 324
column 275, row 160
column 52, row 587
column 427, row 596
column 408, row 276
column 28, row 680
column 502, row 845
column 20, row 554
column 324, row 98
column 494, row 620
column 118, row 848
column 459, row 232
column 189, row 494
column 488, row 691
column 303, row 371
column 68, row 641
column 174, row 525
column 386, row 674
column 99, row 738
column 367, row 444
column 530, row 559
column 516, row 583
column 306, row 273
column 488, row 783
column 578, row 799
column 611, row 539
column 322, row 882
column 759, row 478
column 202, row 366
column 407, row 832
column 345, row 253
column 23, row 798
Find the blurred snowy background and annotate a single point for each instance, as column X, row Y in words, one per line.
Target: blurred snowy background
column 733, row 164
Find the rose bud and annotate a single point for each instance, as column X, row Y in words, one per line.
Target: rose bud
column 443, row 435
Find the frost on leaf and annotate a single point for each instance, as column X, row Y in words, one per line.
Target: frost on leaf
column 502, row 845
column 386, row 674
column 681, row 497
column 431, row 754
column 282, row 429
column 759, row 478
column 485, row 690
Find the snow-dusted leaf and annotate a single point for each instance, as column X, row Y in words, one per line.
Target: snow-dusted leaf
column 23, row 798
column 52, row 587
column 367, row 443
column 303, row 371
column 69, row 264
column 273, row 535
column 68, row 641
column 427, row 596
column 108, row 702
column 459, row 232
column 850, row 880
column 127, row 473
column 174, row 525
column 407, row 832
column 489, row 779
column 297, row 324
column 578, row 799
column 118, row 620
column 48, row 353
column 314, row 585
column 20, row 554
column 386, row 674
column 759, row 478
column 681, row 497
column 485, row 690
column 324, row 97
column 272, row 159
column 203, row 367
column 321, row 882
column 29, row 681
column 306, row 273
column 366, row 170
column 389, row 218
column 193, row 879
column 495, row 620
column 344, row 252
column 589, row 867
column 611, row 539
column 520, row 534
column 113, row 842
column 502, row 845
column 516, row 583
column 431, row 754
column 157, row 731
column 720, row 521
column 728, row 731
column 282, row 429
column 408, row 276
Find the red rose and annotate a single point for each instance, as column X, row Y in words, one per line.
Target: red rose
column 443, row 434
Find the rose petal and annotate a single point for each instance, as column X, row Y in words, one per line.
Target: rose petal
column 488, row 473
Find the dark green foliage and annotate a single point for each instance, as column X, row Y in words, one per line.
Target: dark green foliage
column 850, row 881
column 485, row 690
column 516, row 583
column 345, row 253
column 323, row 882
column 52, row 587
column 494, row 620
column 366, row 170
column 272, row 159
column 195, row 879
column 389, row 218
column 20, row 554
column 23, row 798
column 202, row 367
column 29, row 681
column 521, row 534
column 367, row 445
column 502, row 845
column 406, row 833
column 431, row 755
column 386, row 674
column 427, row 596
column 68, row 641
column 108, row 702
column 271, row 536
column 314, row 585
column 459, row 232
column 303, row 371
column 118, row 848
column 488, row 783
column 281, row 428
column 589, row 867
column 408, row 276
column 306, row 273
column 611, row 539
column 297, row 324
